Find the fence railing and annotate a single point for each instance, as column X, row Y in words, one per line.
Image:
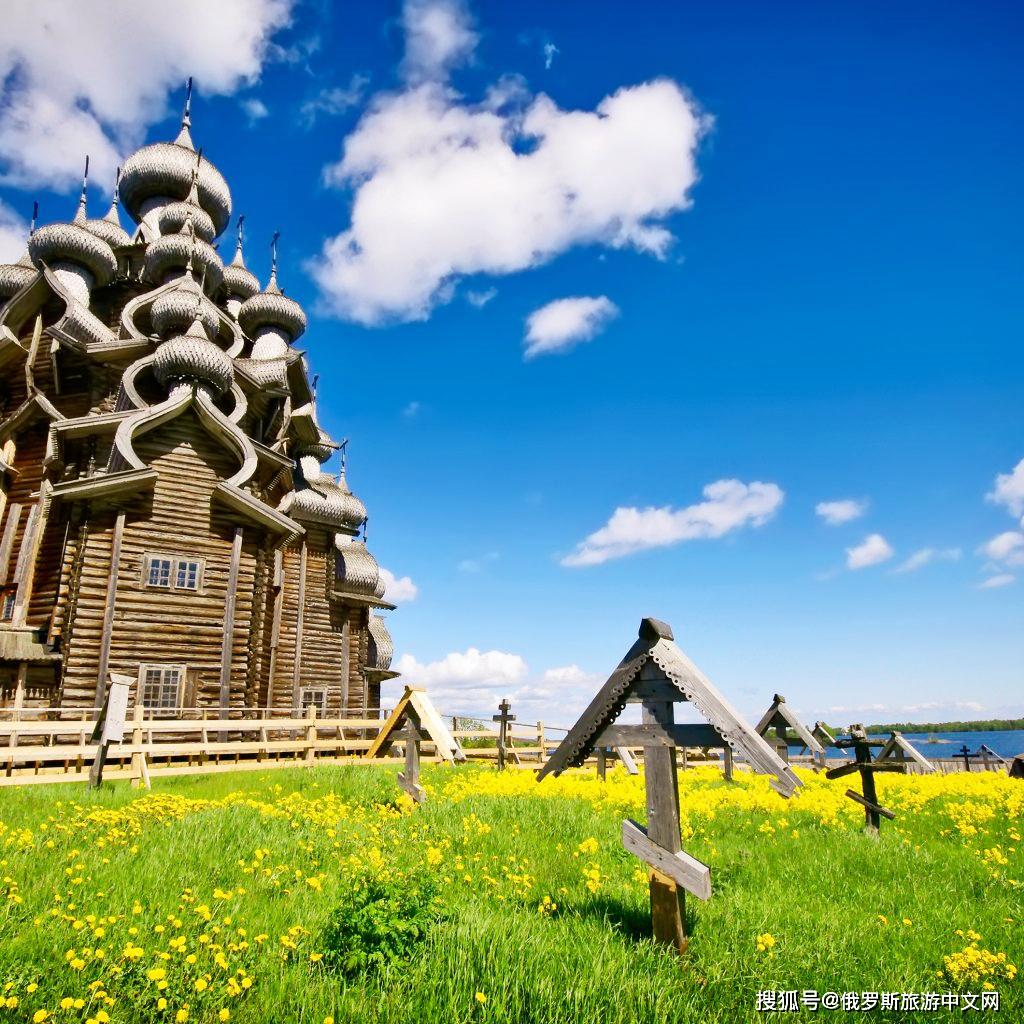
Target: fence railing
column 54, row 744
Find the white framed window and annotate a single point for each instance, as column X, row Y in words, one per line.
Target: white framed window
column 158, row 571
column 171, row 572
column 187, row 574
column 8, row 605
column 315, row 697
column 160, row 686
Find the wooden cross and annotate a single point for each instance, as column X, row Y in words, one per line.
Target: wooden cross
column 503, row 718
column 412, row 735
column 657, row 675
column 861, row 744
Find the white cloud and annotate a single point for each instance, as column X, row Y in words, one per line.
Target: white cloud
column 13, row 234
column 412, row 410
column 1007, row 548
column 334, row 101
column 254, row 109
column 564, row 323
column 444, row 188
column 1003, row 579
column 68, row 89
column 919, row 559
column 729, row 505
column 871, row 551
column 439, row 35
column 479, row 299
column 398, row 590
column 1009, row 490
column 550, row 52
column 835, row 513
column 472, row 682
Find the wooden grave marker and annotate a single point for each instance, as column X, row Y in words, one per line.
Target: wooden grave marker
column 414, row 720
column 901, row 751
column 782, row 719
column 504, row 719
column 821, row 733
column 656, row 674
column 110, row 724
column 861, row 744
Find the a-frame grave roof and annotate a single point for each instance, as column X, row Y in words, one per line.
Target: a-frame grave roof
column 899, row 750
column 781, row 715
column 656, row 668
column 416, row 709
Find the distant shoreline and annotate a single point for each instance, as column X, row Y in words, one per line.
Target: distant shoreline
column 989, row 725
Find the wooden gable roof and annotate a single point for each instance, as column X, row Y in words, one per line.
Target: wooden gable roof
column 656, row 646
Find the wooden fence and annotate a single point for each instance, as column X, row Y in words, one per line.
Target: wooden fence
column 54, row 745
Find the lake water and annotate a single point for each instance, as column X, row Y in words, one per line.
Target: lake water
column 1007, row 743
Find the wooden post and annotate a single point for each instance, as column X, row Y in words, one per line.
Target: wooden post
column 108, row 614
column 503, row 718
column 140, row 775
column 668, row 901
column 602, row 763
column 19, row 703
column 311, row 735
column 409, row 780
column 782, row 742
column 540, row 742
column 727, row 771
column 862, row 754
column 229, row 625
column 300, row 619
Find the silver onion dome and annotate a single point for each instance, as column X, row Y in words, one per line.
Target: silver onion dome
column 14, row 277
column 169, row 253
column 73, row 243
column 271, row 308
column 193, row 357
column 382, row 647
column 353, row 511
column 357, row 570
column 109, row 227
column 239, row 281
column 174, row 216
column 176, row 309
column 163, row 170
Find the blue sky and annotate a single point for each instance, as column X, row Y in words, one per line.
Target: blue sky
column 836, row 317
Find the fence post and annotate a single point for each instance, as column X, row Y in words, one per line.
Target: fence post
column 503, row 718
column 311, row 734
column 542, row 756
column 728, row 763
column 140, row 770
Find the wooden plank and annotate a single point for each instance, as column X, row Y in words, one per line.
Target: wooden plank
column 300, row 619
column 653, row 734
column 108, row 612
column 668, row 905
column 627, row 759
column 693, row 875
column 653, row 689
column 7, row 542
column 876, row 808
column 228, row 643
column 856, row 766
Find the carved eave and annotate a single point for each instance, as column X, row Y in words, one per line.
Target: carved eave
column 33, row 407
column 379, row 675
column 238, row 500
column 17, row 645
column 116, row 487
column 22, row 307
column 11, row 348
column 352, row 597
column 93, row 425
column 656, row 646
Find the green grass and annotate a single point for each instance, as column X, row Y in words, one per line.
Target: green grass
column 821, row 893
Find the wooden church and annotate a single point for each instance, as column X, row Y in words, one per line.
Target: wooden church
column 164, row 507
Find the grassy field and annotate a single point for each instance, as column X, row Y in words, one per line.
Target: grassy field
column 319, row 895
